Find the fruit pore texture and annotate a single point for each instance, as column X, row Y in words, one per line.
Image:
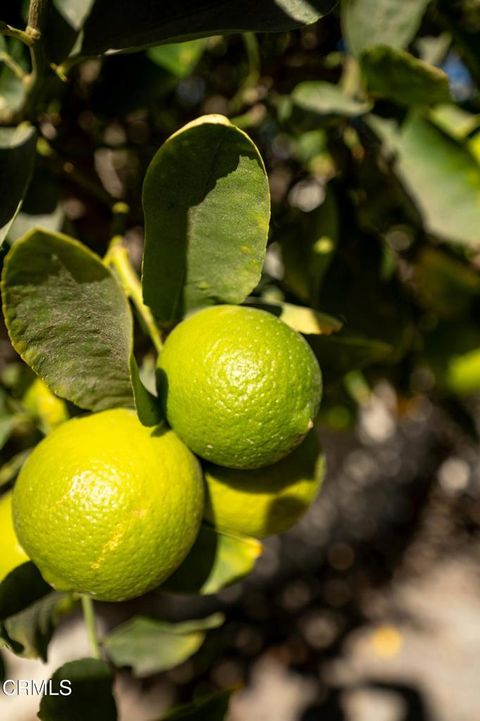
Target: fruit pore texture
column 240, row 387
column 107, row 507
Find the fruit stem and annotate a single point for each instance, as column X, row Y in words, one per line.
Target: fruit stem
column 117, row 257
column 90, row 623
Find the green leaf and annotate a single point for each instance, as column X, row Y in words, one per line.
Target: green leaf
column 443, row 179
column 396, row 75
column 303, row 320
column 69, row 319
column 22, row 587
column 443, row 284
column 307, row 245
column 207, row 210
column 373, row 22
column 180, row 58
column 339, row 354
column 28, row 633
column 210, row 708
column 217, row 560
column 113, row 26
column 17, row 156
column 326, row 99
column 91, row 693
column 147, row 405
column 149, row 646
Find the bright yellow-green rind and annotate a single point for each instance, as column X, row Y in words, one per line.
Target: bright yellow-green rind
column 11, row 552
column 107, row 507
column 268, row 500
column 240, row 387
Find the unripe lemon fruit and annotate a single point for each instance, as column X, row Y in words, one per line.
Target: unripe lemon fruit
column 11, row 552
column 240, row 387
column 107, row 507
column 268, row 500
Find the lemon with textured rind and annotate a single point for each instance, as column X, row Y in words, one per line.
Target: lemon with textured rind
column 240, row 387
column 268, row 500
column 107, row 507
column 11, row 552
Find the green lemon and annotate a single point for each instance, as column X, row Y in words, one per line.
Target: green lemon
column 268, row 500
column 240, row 387
column 107, row 507
column 11, row 552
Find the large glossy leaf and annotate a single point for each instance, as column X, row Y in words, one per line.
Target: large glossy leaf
column 17, row 156
column 443, row 179
column 69, row 319
column 217, row 560
column 210, row 708
column 148, row 646
column 373, row 22
column 207, row 211
column 91, row 697
column 113, row 26
column 28, row 633
column 394, row 74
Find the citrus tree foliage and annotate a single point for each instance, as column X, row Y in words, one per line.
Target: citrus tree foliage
column 319, row 160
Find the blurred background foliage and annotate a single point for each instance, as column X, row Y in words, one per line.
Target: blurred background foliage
column 369, row 124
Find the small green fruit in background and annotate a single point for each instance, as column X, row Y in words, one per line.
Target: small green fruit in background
column 240, row 387
column 268, row 500
column 107, row 507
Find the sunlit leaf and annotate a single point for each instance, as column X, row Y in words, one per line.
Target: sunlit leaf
column 396, row 75
column 69, row 319
column 207, row 210
column 217, row 560
column 372, row 22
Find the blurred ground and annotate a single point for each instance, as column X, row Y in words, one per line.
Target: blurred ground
column 369, row 610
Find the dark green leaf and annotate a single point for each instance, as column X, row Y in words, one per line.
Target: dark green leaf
column 217, row 560
column 20, row 589
column 148, row 408
column 324, row 99
column 307, row 245
column 28, row 633
column 443, row 284
column 339, row 354
column 115, row 26
column 148, row 646
column 207, row 210
column 91, row 693
column 69, row 319
column 210, row 708
column 17, row 156
column 373, row 22
column 443, row 179
column 180, row 58
column 396, row 75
